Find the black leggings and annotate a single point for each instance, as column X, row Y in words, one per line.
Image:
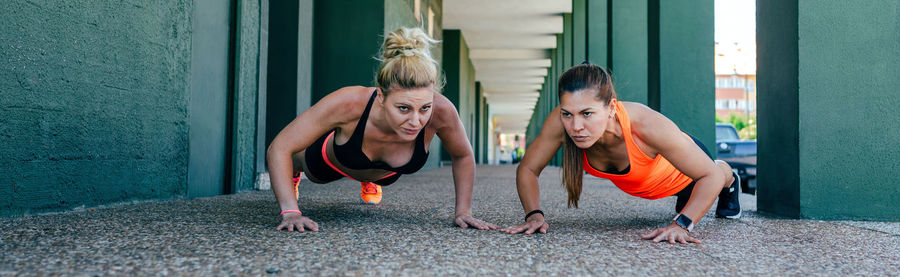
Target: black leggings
column 685, row 193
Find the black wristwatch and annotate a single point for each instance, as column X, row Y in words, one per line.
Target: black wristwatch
column 684, row 221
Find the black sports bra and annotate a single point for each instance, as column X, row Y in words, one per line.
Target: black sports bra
column 350, row 154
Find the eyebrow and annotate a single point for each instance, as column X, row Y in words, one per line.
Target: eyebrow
column 407, row 104
column 583, row 110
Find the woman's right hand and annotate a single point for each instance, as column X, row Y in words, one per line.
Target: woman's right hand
column 534, row 223
column 292, row 221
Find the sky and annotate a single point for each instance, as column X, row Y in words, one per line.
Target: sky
column 735, row 21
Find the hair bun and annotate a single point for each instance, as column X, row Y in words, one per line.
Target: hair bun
column 407, row 42
column 406, row 61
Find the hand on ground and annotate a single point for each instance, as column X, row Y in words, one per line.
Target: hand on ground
column 672, row 233
column 292, row 221
column 535, row 223
column 466, row 221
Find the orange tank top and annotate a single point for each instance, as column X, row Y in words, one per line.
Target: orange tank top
column 648, row 178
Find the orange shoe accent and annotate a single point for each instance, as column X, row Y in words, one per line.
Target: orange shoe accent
column 296, row 182
column 370, row 193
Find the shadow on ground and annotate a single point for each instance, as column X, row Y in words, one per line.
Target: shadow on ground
column 412, row 232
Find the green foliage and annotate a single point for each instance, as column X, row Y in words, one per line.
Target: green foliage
column 746, row 127
column 748, row 132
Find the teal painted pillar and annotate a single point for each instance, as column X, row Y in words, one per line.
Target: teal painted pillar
column 346, row 35
column 567, row 42
column 460, row 86
column 686, row 78
column 827, row 144
column 778, row 158
column 486, row 133
column 597, row 31
column 628, row 54
column 579, row 31
column 476, row 132
column 451, row 64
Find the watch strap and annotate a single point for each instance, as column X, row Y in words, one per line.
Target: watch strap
column 684, row 221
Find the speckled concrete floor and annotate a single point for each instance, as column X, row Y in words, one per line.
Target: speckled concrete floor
column 411, row 233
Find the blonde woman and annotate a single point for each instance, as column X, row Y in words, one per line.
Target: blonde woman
column 641, row 151
column 375, row 134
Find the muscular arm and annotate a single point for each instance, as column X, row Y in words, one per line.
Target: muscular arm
column 663, row 135
column 332, row 111
column 537, row 156
column 453, row 137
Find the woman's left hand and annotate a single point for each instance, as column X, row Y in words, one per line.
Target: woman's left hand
column 672, row 233
column 466, row 221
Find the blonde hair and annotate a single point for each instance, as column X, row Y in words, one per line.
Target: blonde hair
column 406, row 61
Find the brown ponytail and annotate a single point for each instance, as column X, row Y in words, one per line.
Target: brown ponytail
column 573, row 172
column 581, row 77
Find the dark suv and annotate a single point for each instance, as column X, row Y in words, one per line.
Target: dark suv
column 739, row 154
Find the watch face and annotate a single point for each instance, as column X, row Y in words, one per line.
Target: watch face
column 684, row 221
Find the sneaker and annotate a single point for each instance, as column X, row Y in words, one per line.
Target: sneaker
column 296, row 182
column 730, row 200
column 370, row 193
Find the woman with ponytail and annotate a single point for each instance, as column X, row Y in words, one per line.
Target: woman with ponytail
column 375, row 134
column 641, row 151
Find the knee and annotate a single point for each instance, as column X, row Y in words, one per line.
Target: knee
column 723, row 165
column 726, row 170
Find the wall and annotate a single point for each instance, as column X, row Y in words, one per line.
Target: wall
column 849, row 134
column 94, row 103
column 347, row 36
column 247, row 57
column 686, row 77
column 827, row 132
column 460, row 88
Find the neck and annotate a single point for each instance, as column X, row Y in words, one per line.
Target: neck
column 612, row 135
column 376, row 117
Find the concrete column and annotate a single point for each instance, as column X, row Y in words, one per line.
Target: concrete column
column 628, row 54
column 597, row 31
column 579, row 31
column 686, row 78
column 460, row 77
column 246, row 87
column 827, row 131
column 346, row 35
column 778, row 165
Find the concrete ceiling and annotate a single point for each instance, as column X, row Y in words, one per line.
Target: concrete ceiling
column 509, row 43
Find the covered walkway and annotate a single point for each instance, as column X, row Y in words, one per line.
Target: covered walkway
column 411, row 233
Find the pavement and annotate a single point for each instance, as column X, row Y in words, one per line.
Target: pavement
column 411, row 233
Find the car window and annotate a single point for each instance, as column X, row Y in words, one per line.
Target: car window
column 725, row 133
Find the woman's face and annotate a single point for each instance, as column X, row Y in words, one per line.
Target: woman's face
column 407, row 110
column 584, row 117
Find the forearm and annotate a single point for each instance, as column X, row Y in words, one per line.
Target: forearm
column 280, row 173
column 702, row 198
column 463, row 180
column 528, row 189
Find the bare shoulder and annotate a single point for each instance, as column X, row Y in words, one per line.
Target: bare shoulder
column 553, row 127
column 637, row 110
column 648, row 123
column 345, row 104
column 444, row 112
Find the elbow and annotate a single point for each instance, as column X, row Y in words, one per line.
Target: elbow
column 468, row 155
column 522, row 170
column 271, row 152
